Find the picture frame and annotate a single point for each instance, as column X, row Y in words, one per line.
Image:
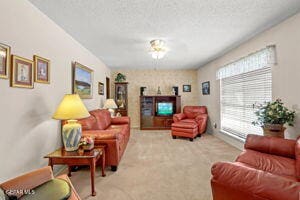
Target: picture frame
column 206, row 88
column 82, row 81
column 100, row 88
column 4, row 61
column 186, row 88
column 22, row 71
column 41, row 69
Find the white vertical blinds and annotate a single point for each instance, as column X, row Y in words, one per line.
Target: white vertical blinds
column 240, row 88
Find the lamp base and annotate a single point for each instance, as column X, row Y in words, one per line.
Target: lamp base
column 112, row 112
column 71, row 134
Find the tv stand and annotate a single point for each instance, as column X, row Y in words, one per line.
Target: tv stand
column 149, row 120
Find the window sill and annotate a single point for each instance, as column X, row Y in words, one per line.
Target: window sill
column 233, row 136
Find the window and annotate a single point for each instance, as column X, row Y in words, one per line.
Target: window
column 242, row 84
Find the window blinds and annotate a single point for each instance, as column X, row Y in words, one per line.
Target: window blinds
column 240, row 88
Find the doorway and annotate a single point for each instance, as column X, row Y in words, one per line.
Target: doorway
column 107, row 88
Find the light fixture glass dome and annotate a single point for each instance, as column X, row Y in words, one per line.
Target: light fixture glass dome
column 158, row 50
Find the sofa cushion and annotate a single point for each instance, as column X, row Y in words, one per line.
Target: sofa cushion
column 53, row 189
column 271, row 145
column 184, row 125
column 267, row 162
column 193, row 111
column 101, row 134
column 88, row 123
column 188, row 121
column 120, row 129
column 103, row 118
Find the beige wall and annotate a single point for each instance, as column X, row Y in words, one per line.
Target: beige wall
column 286, row 75
column 151, row 79
column 27, row 130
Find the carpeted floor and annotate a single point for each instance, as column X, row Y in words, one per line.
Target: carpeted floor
column 156, row 167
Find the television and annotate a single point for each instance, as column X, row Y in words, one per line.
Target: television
column 164, row 108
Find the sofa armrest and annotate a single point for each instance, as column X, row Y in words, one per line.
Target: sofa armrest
column 178, row 117
column 271, row 145
column 252, row 182
column 28, row 181
column 201, row 120
column 101, row 134
column 120, row 120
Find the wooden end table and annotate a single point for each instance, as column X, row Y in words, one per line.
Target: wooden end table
column 74, row 158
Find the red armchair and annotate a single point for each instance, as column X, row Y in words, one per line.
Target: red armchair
column 191, row 123
column 112, row 132
column 33, row 180
column 268, row 168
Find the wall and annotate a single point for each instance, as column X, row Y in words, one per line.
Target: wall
column 285, row 75
column 151, row 79
column 27, row 131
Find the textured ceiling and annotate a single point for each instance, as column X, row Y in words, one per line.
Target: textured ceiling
column 195, row 31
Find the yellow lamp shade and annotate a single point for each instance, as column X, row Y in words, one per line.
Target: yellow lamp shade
column 71, row 107
column 110, row 104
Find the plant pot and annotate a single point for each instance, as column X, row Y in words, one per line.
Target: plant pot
column 274, row 130
column 88, row 147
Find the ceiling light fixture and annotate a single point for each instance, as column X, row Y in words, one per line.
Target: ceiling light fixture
column 158, row 49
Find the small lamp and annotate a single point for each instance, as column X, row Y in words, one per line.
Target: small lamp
column 110, row 104
column 71, row 108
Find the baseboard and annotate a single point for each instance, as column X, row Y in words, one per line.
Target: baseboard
column 230, row 140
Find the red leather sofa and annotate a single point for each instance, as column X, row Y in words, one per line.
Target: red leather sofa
column 268, row 169
column 191, row 123
column 112, row 132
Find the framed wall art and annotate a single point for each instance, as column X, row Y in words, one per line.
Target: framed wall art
column 4, row 60
column 41, row 69
column 21, row 72
column 186, row 88
column 206, row 88
column 100, row 88
column 82, row 81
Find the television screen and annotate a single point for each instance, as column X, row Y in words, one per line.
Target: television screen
column 164, row 108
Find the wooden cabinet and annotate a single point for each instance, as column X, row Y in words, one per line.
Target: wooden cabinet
column 121, row 97
column 151, row 119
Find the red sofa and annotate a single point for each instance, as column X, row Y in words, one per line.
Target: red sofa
column 191, row 123
column 112, row 132
column 268, row 168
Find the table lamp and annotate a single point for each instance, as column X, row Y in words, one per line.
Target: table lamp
column 71, row 108
column 110, row 104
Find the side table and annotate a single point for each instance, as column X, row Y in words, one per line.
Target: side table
column 74, row 158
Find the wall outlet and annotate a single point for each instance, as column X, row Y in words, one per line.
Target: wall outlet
column 215, row 125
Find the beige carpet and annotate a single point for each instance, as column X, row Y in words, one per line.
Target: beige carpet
column 156, row 167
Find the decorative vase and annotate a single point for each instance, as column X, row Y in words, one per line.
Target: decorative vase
column 158, row 91
column 274, row 130
column 71, row 135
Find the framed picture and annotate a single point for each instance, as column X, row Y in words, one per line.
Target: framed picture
column 21, row 72
column 41, row 69
column 206, row 88
column 82, row 81
column 100, row 88
column 186, row 88
column 4, row 60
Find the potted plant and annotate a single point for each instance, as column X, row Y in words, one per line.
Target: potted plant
column 272, row 116
column 120, row 77
column 86, row 144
